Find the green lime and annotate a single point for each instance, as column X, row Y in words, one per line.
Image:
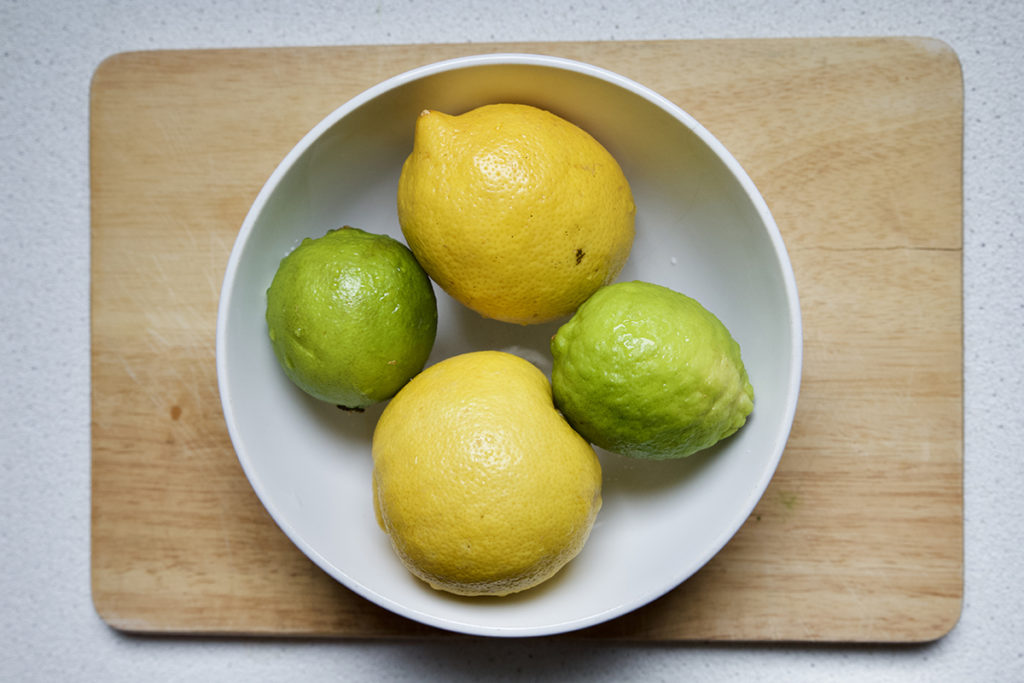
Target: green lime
column 351, row 316
column 647, row 372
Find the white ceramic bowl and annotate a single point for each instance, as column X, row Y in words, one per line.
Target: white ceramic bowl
column 702, row 229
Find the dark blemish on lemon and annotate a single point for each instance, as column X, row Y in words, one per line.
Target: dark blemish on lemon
column 351, row 410
column 579, row 256
column 175, row 412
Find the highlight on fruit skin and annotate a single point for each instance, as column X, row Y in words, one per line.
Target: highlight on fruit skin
column 515, row 212
column 480, row 484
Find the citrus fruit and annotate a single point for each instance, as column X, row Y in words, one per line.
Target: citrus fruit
column 515, row 212
column 645, row 371
column 481, row 485
column 351, row 317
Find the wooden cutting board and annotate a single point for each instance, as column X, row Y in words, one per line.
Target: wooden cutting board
column 856, row 145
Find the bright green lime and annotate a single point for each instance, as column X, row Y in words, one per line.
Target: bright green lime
column 351, row 316
column 647, row 372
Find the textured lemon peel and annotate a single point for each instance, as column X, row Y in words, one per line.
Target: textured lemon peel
column 514, row 211
column 481, row 485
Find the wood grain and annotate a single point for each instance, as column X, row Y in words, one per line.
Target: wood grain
column 856, row 145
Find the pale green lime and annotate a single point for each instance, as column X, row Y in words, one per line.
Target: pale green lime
column 647, row 372
column 351, row 316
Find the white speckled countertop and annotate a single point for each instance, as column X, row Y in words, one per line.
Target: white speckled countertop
column 49, row 629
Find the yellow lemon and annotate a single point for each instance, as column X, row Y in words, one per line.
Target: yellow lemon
column 515, row 212
column 482, row 486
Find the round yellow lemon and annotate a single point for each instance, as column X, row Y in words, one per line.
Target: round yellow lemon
column 515, row 212
column 482, row 486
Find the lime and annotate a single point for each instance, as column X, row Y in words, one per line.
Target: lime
column 647, row 372
column 351, row 317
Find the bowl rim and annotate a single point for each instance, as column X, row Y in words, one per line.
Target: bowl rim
column 514, row 59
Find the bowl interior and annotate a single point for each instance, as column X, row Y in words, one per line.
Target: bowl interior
column 701, row 229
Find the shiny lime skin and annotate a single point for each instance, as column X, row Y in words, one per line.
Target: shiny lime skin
column 351, row 317
column 647, row 372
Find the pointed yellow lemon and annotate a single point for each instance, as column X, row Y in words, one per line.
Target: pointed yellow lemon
column 514, row 211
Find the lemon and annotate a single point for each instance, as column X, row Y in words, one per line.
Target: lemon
column 481, row 485
column 648, row 372
column 515, row 212
column 351, row 317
